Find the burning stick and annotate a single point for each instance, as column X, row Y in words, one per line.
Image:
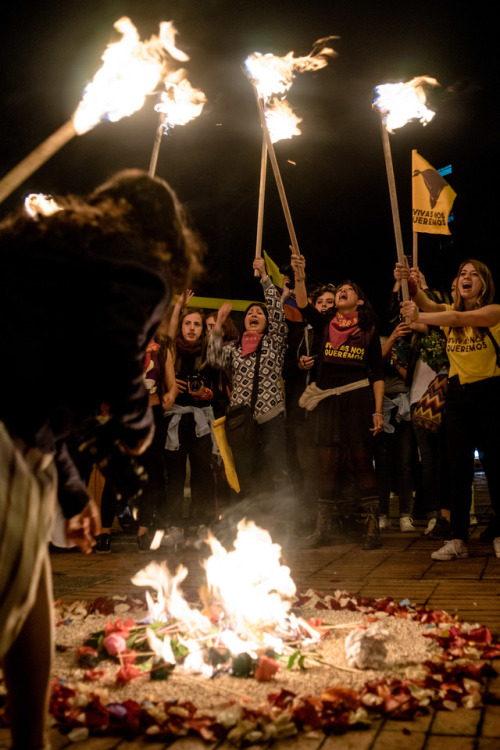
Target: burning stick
column 132, row 69
column 178, row 105
column 272, row 77
column 398, row 103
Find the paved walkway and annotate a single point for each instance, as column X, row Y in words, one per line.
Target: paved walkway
column 402, row 568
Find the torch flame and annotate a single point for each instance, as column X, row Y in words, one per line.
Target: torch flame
column 282, row 122
column 132, row 69
column 271, row 74
column 401, row 102
column 180, row 103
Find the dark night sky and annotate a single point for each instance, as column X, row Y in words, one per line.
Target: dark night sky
column 337, row 189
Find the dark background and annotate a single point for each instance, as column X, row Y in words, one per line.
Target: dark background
column 337, row 189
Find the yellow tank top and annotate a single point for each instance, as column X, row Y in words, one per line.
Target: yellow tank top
column 471, row 353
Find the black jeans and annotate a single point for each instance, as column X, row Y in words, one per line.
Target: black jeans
column 199, row 452
column 262, row 466
column 472, row 421
column 433, row 469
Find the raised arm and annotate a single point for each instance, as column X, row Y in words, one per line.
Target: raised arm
column 485, row 317
column 298, row 263
column 218, row 355
column 181, row 302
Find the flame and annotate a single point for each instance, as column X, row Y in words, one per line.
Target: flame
column 38, row 204
column 132, row 69
column 401, row 102
column 271, row 74
column 248, row 597
column 282, row 122
column 180, row 103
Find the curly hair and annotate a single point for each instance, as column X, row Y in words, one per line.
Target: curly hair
column 143, row 211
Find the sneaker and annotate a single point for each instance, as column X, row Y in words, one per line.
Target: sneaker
column 496, row 545
column 406, row 523
column 173, row 537
column 440, row 530
column 103, row 544
column 430, row 526
column 451, row 550
column 384, row 522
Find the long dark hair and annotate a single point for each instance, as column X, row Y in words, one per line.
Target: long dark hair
column 199, row 347
column 367, row 318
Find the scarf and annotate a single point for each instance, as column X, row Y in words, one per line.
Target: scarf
column 342, row 327
column 249, row 342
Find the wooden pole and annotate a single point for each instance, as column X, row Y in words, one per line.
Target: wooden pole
column 277, row 175
column 394, row 204
column 415, row 249
column 34, row 161
column 262, row 194
column 156, row 145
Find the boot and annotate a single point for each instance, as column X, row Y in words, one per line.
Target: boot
column 371, row 539
column 321, row 535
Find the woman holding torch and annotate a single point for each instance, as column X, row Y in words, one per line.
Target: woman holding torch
column 350, row 387
column 472, row 329
column 256, row 365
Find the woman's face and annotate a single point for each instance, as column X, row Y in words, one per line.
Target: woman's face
column 210, row 321
column 255, row 320
column 470, row 285
column 346, row 299
column 192, row 327
column 325, row 301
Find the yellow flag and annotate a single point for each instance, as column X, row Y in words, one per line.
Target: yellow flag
column 432, row 197
column 273, row 271
column 218, row 427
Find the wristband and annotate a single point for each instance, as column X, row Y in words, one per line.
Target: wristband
column 377, row 414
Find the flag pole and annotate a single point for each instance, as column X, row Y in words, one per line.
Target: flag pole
column 394, row 204
column 415, row 249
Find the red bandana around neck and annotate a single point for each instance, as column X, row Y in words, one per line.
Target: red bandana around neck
column 342, row 327
column 250, row 341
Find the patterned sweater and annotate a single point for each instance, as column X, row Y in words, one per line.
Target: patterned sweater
column 270, row 398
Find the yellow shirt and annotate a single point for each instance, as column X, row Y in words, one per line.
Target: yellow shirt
column 471, row 353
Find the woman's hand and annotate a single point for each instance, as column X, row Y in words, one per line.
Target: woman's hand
column 168, row 400
column 298, row 263
column 184, row 298
column 259, row 265
column 378, row 424
column 181, row 385
column 82, row 528
column 401, row 330
column 222, row 315
column 401, row 271
column 306, row 363
column 409, row 310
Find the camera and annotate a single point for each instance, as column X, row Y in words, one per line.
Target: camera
column 194, row 380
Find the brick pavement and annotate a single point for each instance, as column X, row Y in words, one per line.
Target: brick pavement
column 402, row 568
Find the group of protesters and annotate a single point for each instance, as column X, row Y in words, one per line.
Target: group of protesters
column 320, row 412
column 316, row 405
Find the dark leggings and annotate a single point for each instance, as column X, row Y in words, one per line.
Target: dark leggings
column 330, row 463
